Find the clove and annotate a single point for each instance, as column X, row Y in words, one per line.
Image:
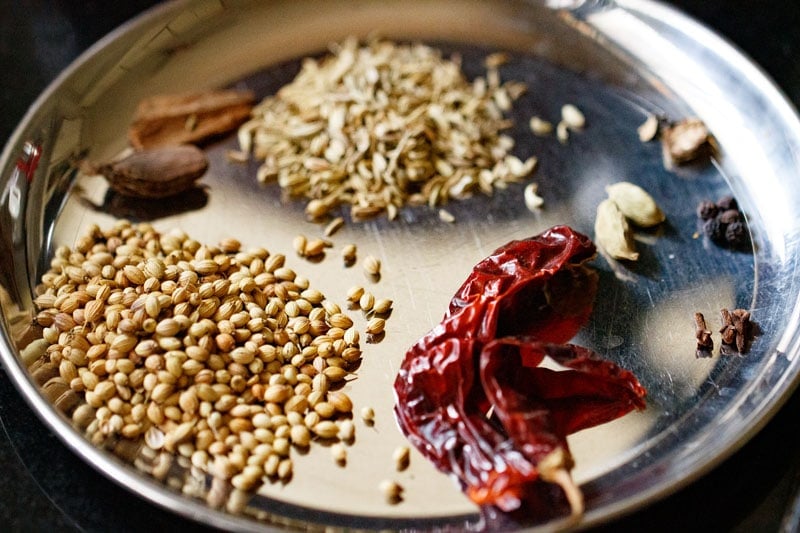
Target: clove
column 705, row 344
column 736, row 331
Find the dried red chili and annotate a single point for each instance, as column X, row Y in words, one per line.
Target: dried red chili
column 471, row 395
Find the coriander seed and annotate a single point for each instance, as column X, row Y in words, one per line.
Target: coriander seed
column 392, row 491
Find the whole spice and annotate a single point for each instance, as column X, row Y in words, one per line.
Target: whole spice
column 446, row 216
column 315, row 248
column 392, row 491
column 573, row 117
column 562, row 132
column 686, row 140
column 649, row 129
column 636, row 204
column 372, row 266
column 612, row 232
column 540, row 127
column 382, row 306
column 707, row 210
column 503, row 435
column 155, row 173
column 339, row 453
column 375, row 326
column 736, row 331
column 401, row 456
column 382, row 125
column 299, row 244
column 190, row 118
column 532, row 199
column 349, row 254
column 368, row 415
column 334, row 226
column 705, row 344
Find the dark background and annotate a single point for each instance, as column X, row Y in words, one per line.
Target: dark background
column 44, row 486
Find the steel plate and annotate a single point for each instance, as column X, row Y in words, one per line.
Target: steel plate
column 615, row 60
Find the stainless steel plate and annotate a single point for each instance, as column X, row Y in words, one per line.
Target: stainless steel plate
column 617, row 61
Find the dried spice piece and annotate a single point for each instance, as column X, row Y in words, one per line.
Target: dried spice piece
column 188, row 118
column 705, row 344
column 649, row 129
column 727, row 202
column 686, row 140
column 155, row 173
column 723, row 222
column 727, row 330
column 540, row 127
column 729, row 216
column 562, row 132
column 532, row 199
column 636, row 204
column 573, row 117
column 446, row 216
column 392, row 491
column 736, row 331
column 625, row 201
column 707, row 210
column 613, row 233
column 333, row 226
column 736, row 233
column 503, row 434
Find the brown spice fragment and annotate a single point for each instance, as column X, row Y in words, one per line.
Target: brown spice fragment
column 741, row 323
column 686, row 140
column 736, row 331
column 727, row 330
column 188, row 118
column 705, row 343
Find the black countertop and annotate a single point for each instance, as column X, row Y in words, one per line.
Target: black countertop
column 44, row 486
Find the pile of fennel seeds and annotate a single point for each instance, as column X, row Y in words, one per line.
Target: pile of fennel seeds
column 382, row 125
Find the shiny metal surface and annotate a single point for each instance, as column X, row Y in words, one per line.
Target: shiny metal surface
column 616, row 61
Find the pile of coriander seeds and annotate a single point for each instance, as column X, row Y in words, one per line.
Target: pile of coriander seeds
column 223, row 356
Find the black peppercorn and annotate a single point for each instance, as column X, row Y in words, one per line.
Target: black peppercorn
column 714, row 229
column 707, row 210
column 729, row 216
column 736, row 233
column 727, row 202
